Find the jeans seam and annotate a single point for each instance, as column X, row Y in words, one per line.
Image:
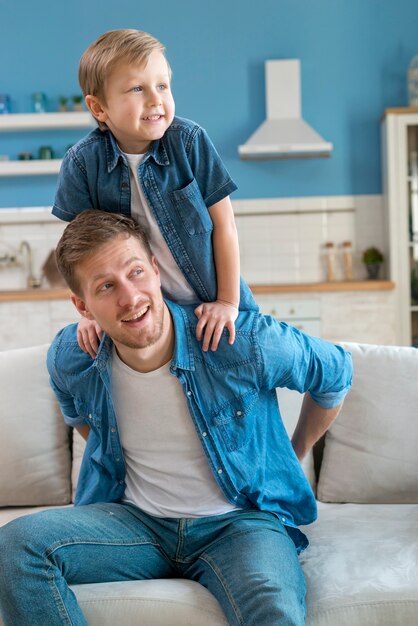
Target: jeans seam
column 62, row 610
column 218, row 574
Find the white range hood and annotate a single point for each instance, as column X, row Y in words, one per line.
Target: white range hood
column 284, row 134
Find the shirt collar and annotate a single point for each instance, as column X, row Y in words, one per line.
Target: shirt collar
column 157, row 151
column 183, row 344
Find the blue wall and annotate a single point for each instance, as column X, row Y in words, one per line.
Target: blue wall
column 354, row 58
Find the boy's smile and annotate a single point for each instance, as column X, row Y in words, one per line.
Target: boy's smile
column 138, row 105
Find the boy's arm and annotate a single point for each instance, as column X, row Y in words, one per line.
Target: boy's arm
column 214, row 316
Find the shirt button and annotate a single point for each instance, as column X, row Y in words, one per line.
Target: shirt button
column 121, row 482
column 283, row 519
column 117, row 459
column 239, row 413
column 174, row 367
column 220, row 471
column 113, row 430
column 90, row 416
column 205, row 434
column 189, row 393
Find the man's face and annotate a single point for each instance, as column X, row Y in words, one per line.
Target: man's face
column 139, row 105
column 122, row 293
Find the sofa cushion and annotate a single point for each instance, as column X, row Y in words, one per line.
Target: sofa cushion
column 35, row 463
column 160, row 602
column 362, row 565
column 370, row 453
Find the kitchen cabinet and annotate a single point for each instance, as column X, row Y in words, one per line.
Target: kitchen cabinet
column 301, row 313
column 399, row 133
column 39, row 122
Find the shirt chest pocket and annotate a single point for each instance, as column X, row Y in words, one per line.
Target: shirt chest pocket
column 192, row 209
column 235, row 421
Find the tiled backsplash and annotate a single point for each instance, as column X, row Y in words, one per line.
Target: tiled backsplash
column 281, row 239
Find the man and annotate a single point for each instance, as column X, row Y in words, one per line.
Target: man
column 188, row 471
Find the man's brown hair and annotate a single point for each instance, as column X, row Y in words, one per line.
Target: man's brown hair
column 86, row 233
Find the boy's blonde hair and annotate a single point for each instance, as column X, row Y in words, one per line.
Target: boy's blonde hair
column 128, row 45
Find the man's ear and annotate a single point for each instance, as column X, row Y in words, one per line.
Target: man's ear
column 155, row 265
column 80, row 305
column 95, row 108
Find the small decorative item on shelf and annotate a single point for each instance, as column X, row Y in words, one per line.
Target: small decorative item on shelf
column 25, row 156
column 329, row 255
column 46, row 152
column 347, row 258
column 413, row 82
column 78, row 103
column 63, row 104
column 39, row 102
column 5, row 104
column 372, row 259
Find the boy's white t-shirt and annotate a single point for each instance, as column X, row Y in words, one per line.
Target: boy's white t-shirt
column 167, row 472
column 174, row 283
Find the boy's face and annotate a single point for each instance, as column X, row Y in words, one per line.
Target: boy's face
column 139, row 105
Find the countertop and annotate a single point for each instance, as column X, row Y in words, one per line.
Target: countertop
column 354, row 285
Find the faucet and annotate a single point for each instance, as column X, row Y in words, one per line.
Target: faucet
column 32, row 281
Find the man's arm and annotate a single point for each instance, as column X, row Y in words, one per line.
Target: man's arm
column 313, row 422
column 84, row 431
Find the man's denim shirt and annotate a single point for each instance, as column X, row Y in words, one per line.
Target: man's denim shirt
column 181, row 176
column 232, row 402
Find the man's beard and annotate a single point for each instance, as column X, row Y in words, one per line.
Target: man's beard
column 144, row 340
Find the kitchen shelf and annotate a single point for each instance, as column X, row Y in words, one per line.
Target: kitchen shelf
column 16, row 122
column 33, row 167
column 23, row 122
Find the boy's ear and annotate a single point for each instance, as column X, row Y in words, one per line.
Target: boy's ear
column 80, row 305
column 96, row 108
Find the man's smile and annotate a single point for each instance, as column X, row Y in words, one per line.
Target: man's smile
column 134, row 317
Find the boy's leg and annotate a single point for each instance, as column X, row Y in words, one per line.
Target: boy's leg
column 41, row 554
column 252, row 568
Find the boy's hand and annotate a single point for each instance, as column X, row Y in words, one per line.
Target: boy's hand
column 213, row 317
column 89, row 334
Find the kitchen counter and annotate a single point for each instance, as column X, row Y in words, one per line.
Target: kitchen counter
column 355, row 285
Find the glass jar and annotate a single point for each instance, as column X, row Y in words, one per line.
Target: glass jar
column 39, row 102
column 347, row 258
column 413, row 82
column 329, row 257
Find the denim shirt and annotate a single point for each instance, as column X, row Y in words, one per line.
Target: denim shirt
column 181, row 176
column 232, row 402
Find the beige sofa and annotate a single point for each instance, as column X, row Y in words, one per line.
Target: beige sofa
column 362, row 564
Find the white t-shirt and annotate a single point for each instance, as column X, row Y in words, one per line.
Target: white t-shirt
column 174, row 283
column 168, row 474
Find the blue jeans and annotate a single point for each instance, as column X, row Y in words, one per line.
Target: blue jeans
column 245, row 558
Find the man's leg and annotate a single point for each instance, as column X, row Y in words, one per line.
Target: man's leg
column 252, row 568
column 41, row 554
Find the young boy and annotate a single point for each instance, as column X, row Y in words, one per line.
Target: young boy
column 165, row 172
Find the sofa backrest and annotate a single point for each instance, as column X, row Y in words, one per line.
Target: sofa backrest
column 370, row 452
column 35, row 458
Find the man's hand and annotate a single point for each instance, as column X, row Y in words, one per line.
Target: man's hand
column 89, row 334
column 213, row 317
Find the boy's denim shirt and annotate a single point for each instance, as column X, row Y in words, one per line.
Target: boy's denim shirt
column 182, row 176
column 232, row 401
